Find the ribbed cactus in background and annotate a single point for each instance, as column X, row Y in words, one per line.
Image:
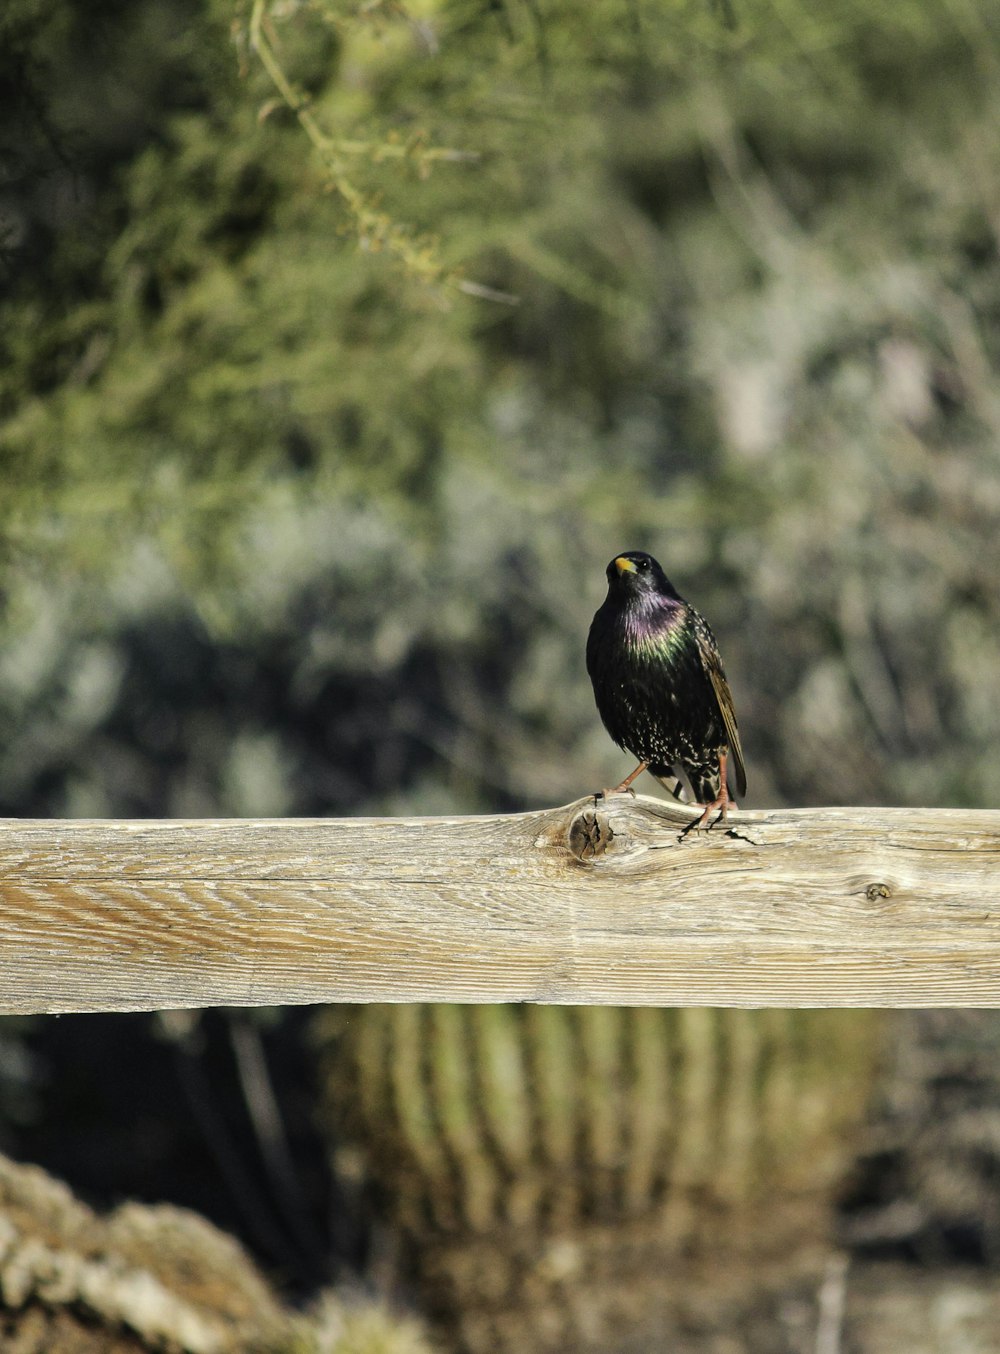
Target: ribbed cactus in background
column 553, row 1166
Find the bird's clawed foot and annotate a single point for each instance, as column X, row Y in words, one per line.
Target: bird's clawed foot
column 627, row 782
column 696, row 824
column 626, row 786
column 618, row 790
column 721, row 802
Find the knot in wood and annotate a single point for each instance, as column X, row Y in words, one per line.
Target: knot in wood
column 875, row 891
column 590, row 834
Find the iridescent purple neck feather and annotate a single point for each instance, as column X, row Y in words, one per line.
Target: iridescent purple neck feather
column 651, row 622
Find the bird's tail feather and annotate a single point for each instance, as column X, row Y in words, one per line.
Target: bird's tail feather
column 675, row 783
column 691, row 787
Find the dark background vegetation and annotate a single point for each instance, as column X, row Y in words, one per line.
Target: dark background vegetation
column 293, row 522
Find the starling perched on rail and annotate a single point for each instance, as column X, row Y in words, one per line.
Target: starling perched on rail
column 660, row 688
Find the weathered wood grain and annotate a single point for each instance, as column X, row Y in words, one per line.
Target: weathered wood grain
column 808, row 907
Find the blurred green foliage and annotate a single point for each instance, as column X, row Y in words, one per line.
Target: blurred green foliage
column 291, row 522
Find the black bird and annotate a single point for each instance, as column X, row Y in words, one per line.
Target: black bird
column 660, row 688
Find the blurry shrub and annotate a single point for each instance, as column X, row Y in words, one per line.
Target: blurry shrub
column 757, row 333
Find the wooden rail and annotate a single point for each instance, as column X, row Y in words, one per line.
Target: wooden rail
column 808, row 907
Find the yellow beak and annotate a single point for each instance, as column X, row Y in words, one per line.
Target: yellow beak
column 624, row 566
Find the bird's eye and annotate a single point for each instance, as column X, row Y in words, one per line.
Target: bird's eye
column 642, row 564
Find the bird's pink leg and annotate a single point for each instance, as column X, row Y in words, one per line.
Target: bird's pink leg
column 627, row 782
column 723, row 801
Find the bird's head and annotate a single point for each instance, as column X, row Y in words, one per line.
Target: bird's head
column 636, row 576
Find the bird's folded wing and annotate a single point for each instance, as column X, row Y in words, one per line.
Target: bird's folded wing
column 713, row 666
